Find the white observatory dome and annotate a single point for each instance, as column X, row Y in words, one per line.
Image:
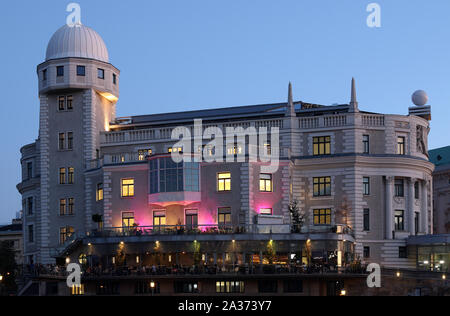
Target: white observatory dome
column 420, row 98
column 78, row 41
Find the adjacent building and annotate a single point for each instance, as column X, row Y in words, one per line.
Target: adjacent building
column 12, row 234
column 105, row 191
column 441, row 189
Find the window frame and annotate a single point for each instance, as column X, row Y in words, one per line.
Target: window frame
column 399, row 221
column 318, row 183
column 366, row 219
column 366, row 186
column 399, row 188
column 101, row 73
column 318, row 142
column 62, row 176
column 129, row 217
column 401, row 145
column 71, row 175
column 366, row 144
column 264, row 183
column 127, row 186
column 322, row 213
column 224, row 212
column 60, row 73
column 224, row 181
column 99, row 193
column 83, row 73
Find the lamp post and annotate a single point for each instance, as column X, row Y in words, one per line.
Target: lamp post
column 152, row 286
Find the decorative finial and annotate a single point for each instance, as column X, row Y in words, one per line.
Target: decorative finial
column 353, row 101
column 290, row 107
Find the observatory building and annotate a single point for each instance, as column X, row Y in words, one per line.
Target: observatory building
column 103, row 190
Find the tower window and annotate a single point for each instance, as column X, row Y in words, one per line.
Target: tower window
column 61, row 103
column 60, row 71
column 62, row 141
column 44, row 75
column 29, row 170
column 416, row 190
column 71, row 179
column 101, row 73
column 81, row 71
column 114, row 79
column 69, row 103
column 62, row 176
column 30, row 206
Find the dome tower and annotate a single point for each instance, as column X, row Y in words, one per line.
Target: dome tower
column 78, row 91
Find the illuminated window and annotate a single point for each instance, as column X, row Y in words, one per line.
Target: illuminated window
column 268, row 149
column 175, row 150
column 69, row 140
column 185, row 287
column 62, row 141
column 235, row 149
column 62, row 207
column 322, row 217
column 266, row 211
column 82, row 259
column 144, row 153
column 224, row 182
column 101, row 73
column 159, row 218
column 127, row 219
column 65, row 233
column 71, row 176
column 62, row 176
column 60, row 71
column 230, row 287
column 71, row 206
column 191, row 219
column 61, row 103
column 69, row 102
column 322, row 186
column 100, row 192
column 400, row 145
column 399, row 220
column 265, row 183
column 127, row 187
column 321, row 145
column 224, row 216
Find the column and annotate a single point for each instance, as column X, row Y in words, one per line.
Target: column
column 424, row 209
column 411, row 213
column 389, row 215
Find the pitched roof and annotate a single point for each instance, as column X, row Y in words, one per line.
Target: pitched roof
column 440, row 156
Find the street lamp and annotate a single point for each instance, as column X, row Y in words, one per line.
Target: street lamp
column 1, row 278
column 343, row 292
column 152, row 286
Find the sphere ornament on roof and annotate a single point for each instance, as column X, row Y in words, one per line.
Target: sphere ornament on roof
column 420, row 98
column 77, row 41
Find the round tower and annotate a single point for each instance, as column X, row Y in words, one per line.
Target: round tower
column 78, row 91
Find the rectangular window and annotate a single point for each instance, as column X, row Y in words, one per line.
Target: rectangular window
column 191, row 219
column 71, row 207
column 62, row 207
column 44, row 75
column 401, row 145
column 30, row 205
column 71, row 176
column 366, row 219
column 62, row 176
column 399, row 188
column 128, row 219
column 69, row 103
column 321, row 145
column 416, row 222
column 60, row 71
column 99, row 195
column 175, row 150
column 30, row 233
column 366, row 252
column 266, row 211
column 101, row 73
column 224, row 217
column 293, row 286
column 62, row 141
column 77, row 290
column 322, row 217
column 61, row 103
column 159, row 218
column 144, row 153
column 403, row 252
column 29, row 170
column 69, row 140
column 322, row 186
column 416, row 190
column 399, row 220
column 366, row 186
column 185, row 287
column 81, row 71
column 230, row 287
column 265, row 183
column 114, row 79
column 268, row 286
column 235, row 149
column 224, row 182
column 127, row 187
column 366, row 144
column 65, row 233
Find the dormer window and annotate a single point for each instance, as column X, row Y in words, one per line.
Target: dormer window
column 101, row 73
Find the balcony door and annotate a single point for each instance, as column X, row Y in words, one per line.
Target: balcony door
column 191, row 219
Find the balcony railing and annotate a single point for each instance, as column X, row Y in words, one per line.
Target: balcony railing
column 218, row 230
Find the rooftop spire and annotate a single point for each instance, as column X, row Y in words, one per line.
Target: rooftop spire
column 290, row 106
column 353, row 101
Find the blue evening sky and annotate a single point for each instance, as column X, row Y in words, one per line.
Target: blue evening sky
column 178, row 55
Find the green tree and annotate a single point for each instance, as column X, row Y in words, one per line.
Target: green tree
column 297, row 217
column 8, row 268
